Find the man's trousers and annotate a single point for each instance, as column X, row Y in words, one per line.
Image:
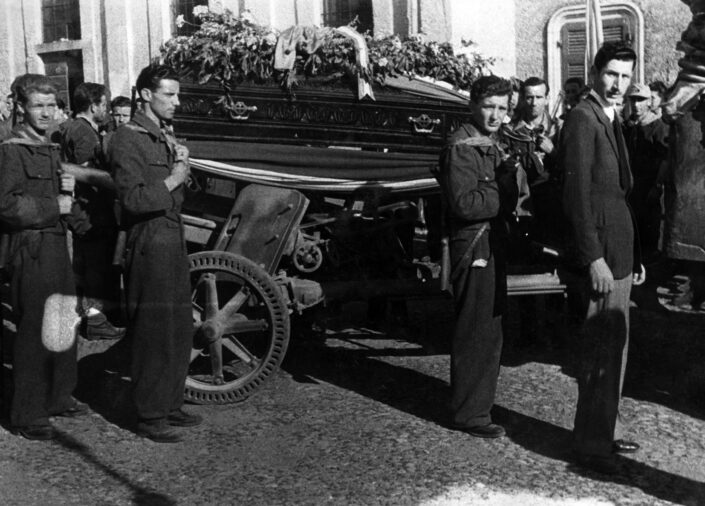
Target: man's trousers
column 603, row 360
column 476, row 346
column 43, row 380
column 160, row 324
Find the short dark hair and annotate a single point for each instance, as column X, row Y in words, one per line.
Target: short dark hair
column 153, row 74
column 23, row 86
column 516, row 83
column 616, row 50
column 87, row 94
column 575, row 80
column 120, row 101
column 533, row 81
column 658, row 86
column 489, row 86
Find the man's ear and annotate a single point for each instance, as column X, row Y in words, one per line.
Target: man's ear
column 20, row 107
column 146, row 94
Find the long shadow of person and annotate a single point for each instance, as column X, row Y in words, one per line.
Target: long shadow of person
column 363, row 371
column 141, row 495
column 103, row 382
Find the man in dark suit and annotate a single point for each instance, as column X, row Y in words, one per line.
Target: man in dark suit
column 593, row 155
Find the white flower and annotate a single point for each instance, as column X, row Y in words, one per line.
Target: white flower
column 383, row 62
column 200, row 10
column 180, row 21
column 270, row 38
column 247, row 17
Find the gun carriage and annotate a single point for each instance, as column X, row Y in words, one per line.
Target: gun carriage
column 296, row 202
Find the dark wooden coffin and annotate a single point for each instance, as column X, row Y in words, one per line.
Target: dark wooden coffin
column 319, row 116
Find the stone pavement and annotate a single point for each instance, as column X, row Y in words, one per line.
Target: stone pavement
column 358, row 417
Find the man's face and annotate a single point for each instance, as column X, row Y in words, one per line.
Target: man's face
column 639, row 106
column 572, row 94
column 655, row 100
column 535, row 99
column 100, row 110
column 164, row 100
column 39, row 111
column 489, row 113
column 514, row 101
column 613, row 80
column 121, row 115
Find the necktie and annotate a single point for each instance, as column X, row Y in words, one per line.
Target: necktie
column 624, row 178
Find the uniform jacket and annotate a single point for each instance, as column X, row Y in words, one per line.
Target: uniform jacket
column 81, row 144
column 141, row 160
column 471, row 190
column 597, row 182
column 29, row 187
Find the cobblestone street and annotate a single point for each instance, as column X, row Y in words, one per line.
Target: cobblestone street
column 358, row 417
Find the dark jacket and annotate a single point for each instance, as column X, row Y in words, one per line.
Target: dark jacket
column 29, row 187
column 141, row 160
column 684, row 198
column 474, row 188
column 597, row 182
column 81, row 144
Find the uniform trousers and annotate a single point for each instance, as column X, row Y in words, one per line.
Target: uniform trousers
column 43, row 380
column 98, row 283
column 476, row 346
column 604, row 343
column 160, row 324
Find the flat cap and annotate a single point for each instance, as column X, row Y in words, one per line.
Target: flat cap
column 639, row 90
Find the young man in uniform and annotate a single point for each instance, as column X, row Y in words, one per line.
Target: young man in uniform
column 93, row 251
column 594, row 157
column 35, row 209
column 478, row 184
column 150, row 170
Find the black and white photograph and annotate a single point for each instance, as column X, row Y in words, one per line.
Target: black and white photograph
column 352, row 252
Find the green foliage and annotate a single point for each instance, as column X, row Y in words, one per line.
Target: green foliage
column 230, row 50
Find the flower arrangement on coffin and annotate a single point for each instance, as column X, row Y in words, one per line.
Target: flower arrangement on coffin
column 230, row 50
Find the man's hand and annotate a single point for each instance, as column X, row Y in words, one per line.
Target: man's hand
column 545, row 145
column 181, row 153
column 179, row 175
column 638, row 278
column 68, row 182
column 65, row 204
column 601, row 278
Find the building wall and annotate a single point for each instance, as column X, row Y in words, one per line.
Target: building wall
column 121, row 37
column 664, row 20
column 490, row 25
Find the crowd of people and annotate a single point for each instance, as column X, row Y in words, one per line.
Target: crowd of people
column 68, row 188
column 587, row 179
column 592, row 172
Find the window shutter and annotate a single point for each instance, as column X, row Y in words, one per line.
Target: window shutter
column 573, row 44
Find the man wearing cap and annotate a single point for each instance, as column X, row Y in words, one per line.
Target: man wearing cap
column 647, row 143
column 597, row 182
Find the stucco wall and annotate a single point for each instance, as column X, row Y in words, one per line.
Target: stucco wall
column 664, row 20
column 490, row 25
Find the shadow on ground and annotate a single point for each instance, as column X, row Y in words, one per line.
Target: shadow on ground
column 425, row 397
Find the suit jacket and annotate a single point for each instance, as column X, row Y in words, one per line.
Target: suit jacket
column 597, row 182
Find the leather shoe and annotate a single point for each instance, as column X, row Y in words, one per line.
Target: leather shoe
column 36, row 432
column 158, row 431
column 180, row 418
column 76, row 410
column 605, row 464
column 489, row 431
column 623, row 446
column 97, row 327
